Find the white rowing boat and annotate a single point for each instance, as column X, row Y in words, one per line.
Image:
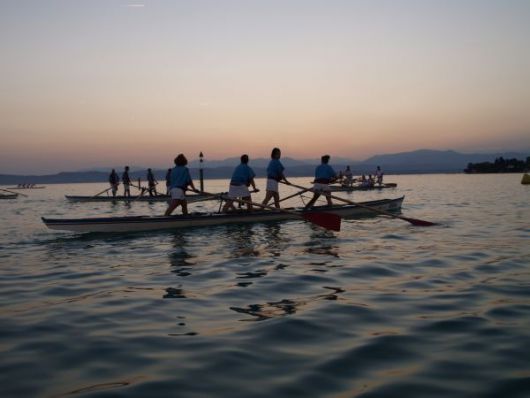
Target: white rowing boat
column 358, row 187
column 150, row 223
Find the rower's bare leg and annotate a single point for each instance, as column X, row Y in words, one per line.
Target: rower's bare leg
column 172, row 206
column 268, row 197
column 184, row 204
column 229, row 205
column 276, row 197
column 249, row 205
column 316, row 195
column 328, row 198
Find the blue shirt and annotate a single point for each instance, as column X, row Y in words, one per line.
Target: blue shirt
column 275, row 169
column 242, row 175
column 180, row 177
column 324, row 173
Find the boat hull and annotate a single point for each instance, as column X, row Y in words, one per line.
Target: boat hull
column 12, row 196
column 148, row 223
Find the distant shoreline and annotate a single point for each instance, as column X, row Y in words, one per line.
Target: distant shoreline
column 422, row 161
column 53, row 178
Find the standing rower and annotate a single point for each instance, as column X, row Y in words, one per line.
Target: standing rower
column 379, row 175
column 324, row 175
column 151, row 182
column 114, row 181
column 242, row 178
column 126, row 182
column 180, row 180
column 274, row 175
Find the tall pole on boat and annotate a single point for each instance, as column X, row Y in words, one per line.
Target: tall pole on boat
column 201, row 175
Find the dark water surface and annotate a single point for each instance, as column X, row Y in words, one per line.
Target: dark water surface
column 380, row 309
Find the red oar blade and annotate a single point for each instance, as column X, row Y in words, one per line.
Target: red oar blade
column 419, row 223
column 325, row 220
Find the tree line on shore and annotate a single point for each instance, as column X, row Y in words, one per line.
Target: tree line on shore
column 500, row 165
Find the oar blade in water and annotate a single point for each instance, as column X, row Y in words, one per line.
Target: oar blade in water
column 325, row 220
column 419, row 223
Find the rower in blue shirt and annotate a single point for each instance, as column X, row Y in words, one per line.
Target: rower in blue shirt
column 242, row 178
column 274, row 175
column 324, row 175
column 180, row 180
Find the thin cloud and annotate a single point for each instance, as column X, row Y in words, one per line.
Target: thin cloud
column 135, row 5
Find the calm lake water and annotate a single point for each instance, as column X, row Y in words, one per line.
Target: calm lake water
column 380, row 309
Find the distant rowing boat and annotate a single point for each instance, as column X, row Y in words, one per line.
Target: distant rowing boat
column 9, row 196
column 343, row 188
column 35, row 187
column 121, row 198
column 150, row 223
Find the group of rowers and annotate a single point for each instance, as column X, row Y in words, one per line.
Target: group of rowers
column 346, row 178
column 243, row 178
column 178, row 181
column 114, row 181
column 26, row 186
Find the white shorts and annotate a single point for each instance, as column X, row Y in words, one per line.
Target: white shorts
column 272, row 185
column 238, row 191
column 321, row 188
column 177, row 194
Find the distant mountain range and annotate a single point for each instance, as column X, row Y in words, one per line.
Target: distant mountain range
column 415, row 162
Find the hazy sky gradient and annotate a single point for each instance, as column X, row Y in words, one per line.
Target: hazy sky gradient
column 86, row 83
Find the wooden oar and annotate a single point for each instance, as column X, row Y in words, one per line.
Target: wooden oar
column 16, row 193
column 322, row 219
column 295, row 194
column 96, row 195
column 413, row 221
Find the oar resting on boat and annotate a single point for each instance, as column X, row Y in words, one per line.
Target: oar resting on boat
column 322, row 219
column 413, row 221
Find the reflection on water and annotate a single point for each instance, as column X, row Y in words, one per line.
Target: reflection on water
column 179, row 258
column 381, row 309
column 284, row 307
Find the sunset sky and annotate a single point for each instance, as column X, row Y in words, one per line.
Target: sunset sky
column 87, row 83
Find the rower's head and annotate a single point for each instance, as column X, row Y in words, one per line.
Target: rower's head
column 181, row 160
column 325, row 159
column 149, row 170
column 126, row 168
column 276, row 153
column 244, row 159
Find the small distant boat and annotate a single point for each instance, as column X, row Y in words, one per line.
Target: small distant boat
column 154, row 223
column 357, row 187
column 121, row 198
column 9, row 196
column 28, row 187
column 526, row 179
